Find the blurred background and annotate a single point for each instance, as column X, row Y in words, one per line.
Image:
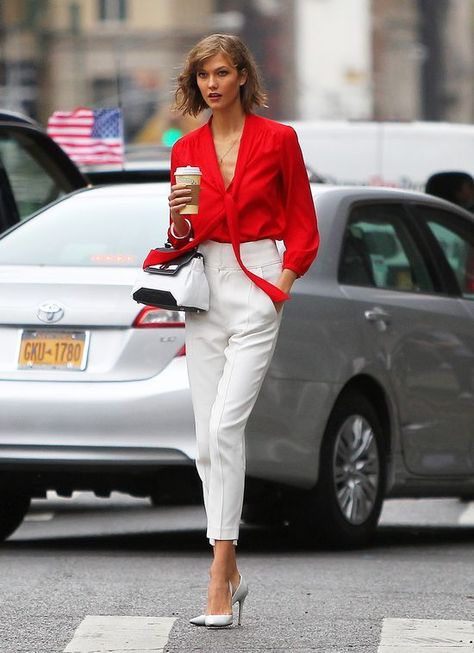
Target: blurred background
column 384, row 60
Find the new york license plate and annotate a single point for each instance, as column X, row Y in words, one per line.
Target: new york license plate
column 63, row 350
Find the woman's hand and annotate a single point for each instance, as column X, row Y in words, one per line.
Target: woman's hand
column 278, row 306
column 180, row 196
column 285, row 282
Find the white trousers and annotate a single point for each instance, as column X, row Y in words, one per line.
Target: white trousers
column 228, row 351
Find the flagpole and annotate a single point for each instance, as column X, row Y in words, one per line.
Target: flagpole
column 118, row 68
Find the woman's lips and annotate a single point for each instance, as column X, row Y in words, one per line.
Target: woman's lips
column 214, row 96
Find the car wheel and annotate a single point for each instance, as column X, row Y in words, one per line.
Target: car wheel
column 348, row 497
column 13, row 507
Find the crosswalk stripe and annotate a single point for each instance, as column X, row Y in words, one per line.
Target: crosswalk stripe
column 109, row 634
column 467, row 516
column 426, row 636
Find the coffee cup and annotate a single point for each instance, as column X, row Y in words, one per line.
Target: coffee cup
column 191, row 176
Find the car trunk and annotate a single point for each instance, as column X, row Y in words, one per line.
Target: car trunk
column 93, row 339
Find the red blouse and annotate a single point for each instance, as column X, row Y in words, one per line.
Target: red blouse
column 269, row 196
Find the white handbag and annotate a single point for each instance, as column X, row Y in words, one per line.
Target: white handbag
column 179, row 284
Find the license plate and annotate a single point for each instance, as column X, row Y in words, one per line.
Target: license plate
column 53, row 350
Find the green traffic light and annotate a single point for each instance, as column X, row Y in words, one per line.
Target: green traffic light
column 170, row 136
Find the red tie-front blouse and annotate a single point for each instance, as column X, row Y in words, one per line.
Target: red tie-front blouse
column 269, row 196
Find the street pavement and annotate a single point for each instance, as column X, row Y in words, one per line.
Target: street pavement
column 88, row 575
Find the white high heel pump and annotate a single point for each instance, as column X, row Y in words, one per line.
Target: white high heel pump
column 222, row 620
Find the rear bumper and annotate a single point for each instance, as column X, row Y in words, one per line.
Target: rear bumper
column 138, row 423
column 50, row 458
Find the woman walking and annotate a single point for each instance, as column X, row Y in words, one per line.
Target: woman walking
column 254, row 177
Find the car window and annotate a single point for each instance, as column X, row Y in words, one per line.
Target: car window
column 91, row 228
column 378, row 250
column 32, row 185
column 456, row 238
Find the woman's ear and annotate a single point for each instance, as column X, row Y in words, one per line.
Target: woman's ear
column 243, row 76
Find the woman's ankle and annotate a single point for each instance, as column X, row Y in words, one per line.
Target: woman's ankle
column 223, row 571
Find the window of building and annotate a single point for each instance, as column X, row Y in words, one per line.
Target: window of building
column 112, row 10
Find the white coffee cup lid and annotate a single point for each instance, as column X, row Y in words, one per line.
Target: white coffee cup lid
column 188, row 170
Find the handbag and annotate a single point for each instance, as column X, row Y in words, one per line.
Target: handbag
column 179, row 284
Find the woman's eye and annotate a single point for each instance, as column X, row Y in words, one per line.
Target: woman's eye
column 201, row 75
column 222, row 73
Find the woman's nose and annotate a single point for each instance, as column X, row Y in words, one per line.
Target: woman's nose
column 212, row 81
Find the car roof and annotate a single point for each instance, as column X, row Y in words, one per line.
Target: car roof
column 383, row 193
column 370, row 191
column 15, row 117
column 128, row 188
column 151, row 189
column 318, row 190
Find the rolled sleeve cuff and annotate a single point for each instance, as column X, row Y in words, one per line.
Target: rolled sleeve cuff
column 293, row 269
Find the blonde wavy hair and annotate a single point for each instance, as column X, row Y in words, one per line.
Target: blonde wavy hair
column 188, row 98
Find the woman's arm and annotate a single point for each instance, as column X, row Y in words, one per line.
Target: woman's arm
column 285, row 283
column 301, row 237
column 286, row 280
column 180, row 230
column 180, row 225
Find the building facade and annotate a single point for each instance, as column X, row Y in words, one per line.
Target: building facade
column 320, row 59
column 60, row 54
column 385, row 59
column 333, row 59
column 97, row 53
column 423, row 60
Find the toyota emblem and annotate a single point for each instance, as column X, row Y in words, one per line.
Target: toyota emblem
column 50, row 312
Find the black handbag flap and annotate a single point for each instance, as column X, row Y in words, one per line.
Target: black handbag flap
column 173, row 266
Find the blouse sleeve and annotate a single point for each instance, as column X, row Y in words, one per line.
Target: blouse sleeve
column 177, row 242
column 301, row 236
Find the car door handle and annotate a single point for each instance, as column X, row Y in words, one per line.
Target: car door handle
column 377, row 315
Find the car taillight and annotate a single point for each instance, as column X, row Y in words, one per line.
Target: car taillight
column 155, row 318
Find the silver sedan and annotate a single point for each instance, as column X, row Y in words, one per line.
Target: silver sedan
column 370, row 393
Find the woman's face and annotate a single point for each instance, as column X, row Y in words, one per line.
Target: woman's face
column 220, row 82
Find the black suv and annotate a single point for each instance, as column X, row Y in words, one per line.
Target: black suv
column 34, row 170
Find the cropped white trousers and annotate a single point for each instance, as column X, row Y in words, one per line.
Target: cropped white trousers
column 228, row 351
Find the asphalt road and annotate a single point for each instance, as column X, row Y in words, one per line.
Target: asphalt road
column 88, row 575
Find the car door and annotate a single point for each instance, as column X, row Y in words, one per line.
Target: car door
column 34, row 171
column 451, row 237
column 414, row 329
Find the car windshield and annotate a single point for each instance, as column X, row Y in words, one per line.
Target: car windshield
column 91, row 228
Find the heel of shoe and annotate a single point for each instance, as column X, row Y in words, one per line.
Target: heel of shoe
column 241, row 609
column 241, row 591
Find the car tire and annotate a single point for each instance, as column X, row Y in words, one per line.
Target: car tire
column 344, row 507
column 13, row 507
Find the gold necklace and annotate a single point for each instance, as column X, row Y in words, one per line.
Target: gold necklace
column 221, row 159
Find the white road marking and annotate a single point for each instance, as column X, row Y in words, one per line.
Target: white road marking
column 101, row 634
column 426, row 636
column 467, row 516
column 39, row 516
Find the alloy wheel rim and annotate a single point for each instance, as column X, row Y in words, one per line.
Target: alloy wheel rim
column 356, row 469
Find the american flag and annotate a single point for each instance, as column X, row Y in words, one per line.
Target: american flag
column 89, row 136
